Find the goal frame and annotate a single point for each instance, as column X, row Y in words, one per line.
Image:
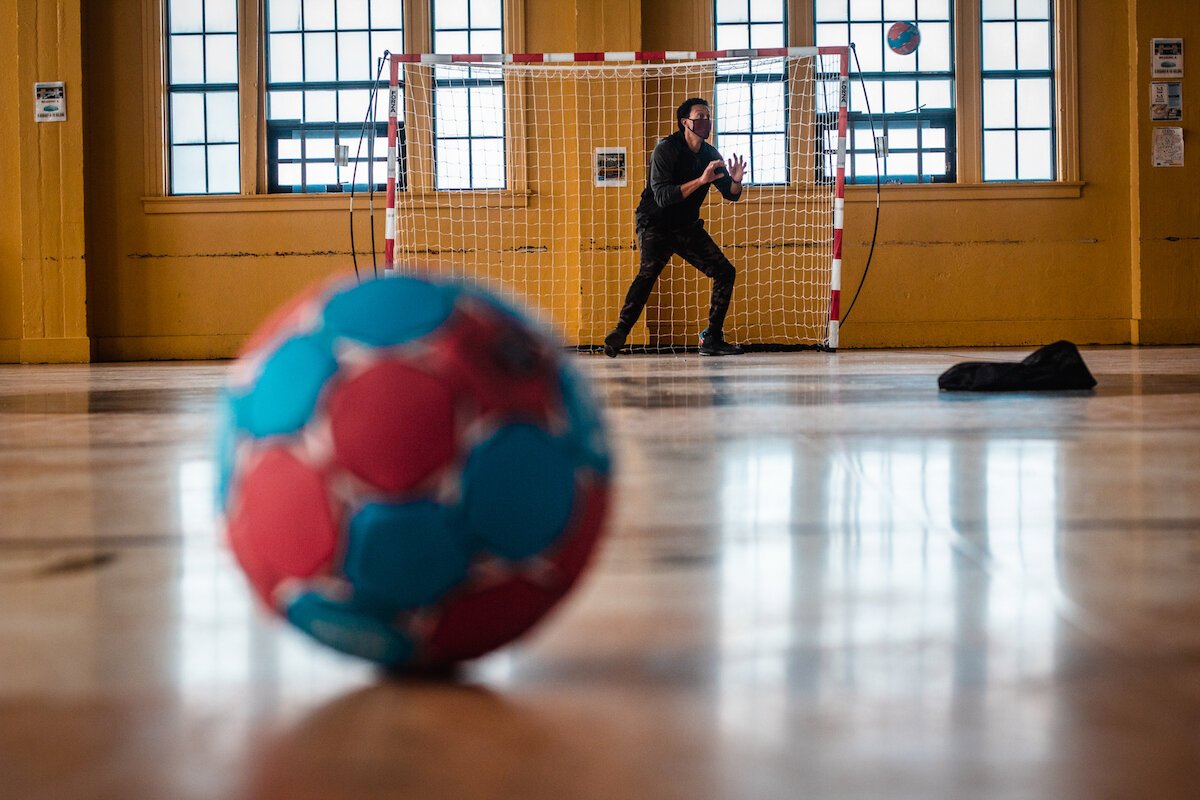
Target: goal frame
column 842, row 52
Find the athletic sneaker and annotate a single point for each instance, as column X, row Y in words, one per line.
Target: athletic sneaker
column 715, row 345
column 614, row 342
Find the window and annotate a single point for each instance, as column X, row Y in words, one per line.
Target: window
column 911, row 97
column 202, row 95
column 322, row 63
column 1018, row 90
column 750, row 107
column 469, row 150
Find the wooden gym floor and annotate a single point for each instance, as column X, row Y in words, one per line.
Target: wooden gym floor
column 824, row 579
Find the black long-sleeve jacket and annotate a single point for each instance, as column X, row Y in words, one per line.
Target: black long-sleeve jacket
column 671, row 165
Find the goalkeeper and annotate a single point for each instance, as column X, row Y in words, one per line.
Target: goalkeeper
column 682, row 168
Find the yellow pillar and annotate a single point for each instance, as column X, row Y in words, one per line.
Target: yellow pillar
column 49, row 179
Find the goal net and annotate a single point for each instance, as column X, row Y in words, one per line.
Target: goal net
column 524, row 173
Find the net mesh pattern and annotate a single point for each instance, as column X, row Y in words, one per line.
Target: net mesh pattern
column 526, row 177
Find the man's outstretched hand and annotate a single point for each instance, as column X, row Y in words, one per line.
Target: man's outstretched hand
column 736, row 167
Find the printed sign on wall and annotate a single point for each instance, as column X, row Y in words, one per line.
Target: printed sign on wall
column 50, row 102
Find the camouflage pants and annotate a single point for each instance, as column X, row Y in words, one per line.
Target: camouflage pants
column 657, row 245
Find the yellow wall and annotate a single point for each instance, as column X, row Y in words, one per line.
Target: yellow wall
column 171, row 279
column 42, row 233
column 10, row 200
column 1166, row 205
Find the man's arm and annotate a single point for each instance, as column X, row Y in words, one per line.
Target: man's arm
column 662, row 166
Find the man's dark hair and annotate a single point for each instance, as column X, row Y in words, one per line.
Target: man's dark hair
column 685, row 109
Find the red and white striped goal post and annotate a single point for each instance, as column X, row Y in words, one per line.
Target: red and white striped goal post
column 839, row 201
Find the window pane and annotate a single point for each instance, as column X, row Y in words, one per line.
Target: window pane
column 829, row 10
column 286, row 58
column 284, row 15
column 763, row 36
column 833, row 34
column 450, row 13
column 187, row 117
column 220, row 16
column 354, row 57
column 732, row 107
column 869, row 39
column 486, row 42
column 353, row 14
column 864, row 164
column 1033, row 9
column 733, row 11
column 934, row 137
column 221, row 59
column 900, row 97
column 999, row 103
column 767, row 10
column 1033, row 45
column 735, row 144
column 933, row 163
column 1033, row 103
column 453, row 116
column 487, row 111
column 318, row 15
column 187, row 59
column 999, row 51
column 998, row 9
column 898, row 138
column 485, row 13
column 319, row 57
column 894, row 10
column 185, row 16
column 1034, row 156
column 935, row 94
column 871, row 102
column 864, row 9
column 320, row 106
column 453, row 164
column 487, row 164
column 902, row 164
column 222, row 117
column 289, row 175
column 353, row 104
column 187, row 169
column 284, row 105
column 733, row 37
column 387, row 14
column 768, row 107
column 999, row 156
column 934, row 9
column 223, row 168
column 289, row 148
column 320, row 173
column 770, row 156
column 451, row 42
column 392, row 41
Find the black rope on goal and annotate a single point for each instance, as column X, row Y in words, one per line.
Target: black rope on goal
column 362, row 134
column 878, row 181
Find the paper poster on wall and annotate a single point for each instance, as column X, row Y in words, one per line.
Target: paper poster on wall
column 1168, row 147
column 610, row 166
column 50, row 102
column 1166, row 101
column 1166, row 58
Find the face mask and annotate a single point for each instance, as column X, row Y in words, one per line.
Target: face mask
column 701, row 127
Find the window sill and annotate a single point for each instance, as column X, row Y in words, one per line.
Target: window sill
column 908, row 192
column 255, row 203
column 864, row 193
